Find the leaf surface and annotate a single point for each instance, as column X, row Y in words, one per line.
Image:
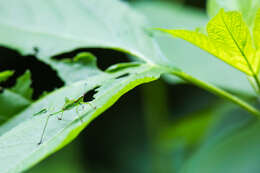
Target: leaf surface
column 23, row 86
column 247, row 8
column 71, row 70
column 256, row 30
column 52, row 29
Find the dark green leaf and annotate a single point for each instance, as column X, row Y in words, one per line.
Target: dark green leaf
column 23, row 86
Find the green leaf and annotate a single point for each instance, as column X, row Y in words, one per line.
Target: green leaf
column 121, row 66
column 17, row 98
column 11, row 103
column 183, row 137
column 21, row 152
column 247, row 8
column 195, row 61
column 23, row 86
column 228, row 39
column 232, row 147
column 5, row 75
column 52, row 29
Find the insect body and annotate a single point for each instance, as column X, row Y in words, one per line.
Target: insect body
column 68, row 105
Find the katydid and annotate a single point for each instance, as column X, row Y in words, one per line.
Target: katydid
column 68, row 105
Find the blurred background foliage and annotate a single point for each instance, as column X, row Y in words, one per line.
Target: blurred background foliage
column 163, row 127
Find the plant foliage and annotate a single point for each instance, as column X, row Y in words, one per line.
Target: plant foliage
column 49, row 28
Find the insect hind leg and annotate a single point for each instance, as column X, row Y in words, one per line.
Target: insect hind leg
column 61, row 116
column 88, row 103
column 91, row 105
column 77, row 111
column 44, row 129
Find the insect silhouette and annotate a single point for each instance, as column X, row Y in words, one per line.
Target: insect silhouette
column 68, row 105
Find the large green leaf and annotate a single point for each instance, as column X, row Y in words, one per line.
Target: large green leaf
column 23, row 86
column 195, row 61
column 228, row 39
column 18, row 146
column 71, row 70
column 53, row 27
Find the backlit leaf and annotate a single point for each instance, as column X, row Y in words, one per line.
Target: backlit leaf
column 256, row 30
column 5, row 75
column 228, row 39
column 247, row 8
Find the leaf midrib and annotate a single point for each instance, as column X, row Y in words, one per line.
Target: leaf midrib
column 240, row 50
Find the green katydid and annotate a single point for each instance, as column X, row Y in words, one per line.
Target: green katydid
column 68, row 105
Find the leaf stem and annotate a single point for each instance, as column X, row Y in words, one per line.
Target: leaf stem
column 257, row 83
column 217, row 91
